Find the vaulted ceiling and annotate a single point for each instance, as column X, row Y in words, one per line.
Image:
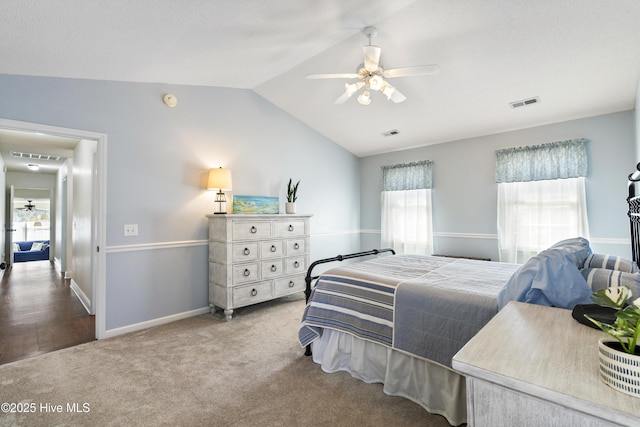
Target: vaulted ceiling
column 580, row 58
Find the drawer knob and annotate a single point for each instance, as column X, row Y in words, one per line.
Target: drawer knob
column 254, row 292
column 253, row 230
column 296, row 246
column 291, row 284
column 290, row 227
column 273, row 267
column 296, row 264
column 246, row 272
column 273, row 248
column 247, row 251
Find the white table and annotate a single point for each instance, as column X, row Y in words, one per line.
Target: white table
column 536, row 366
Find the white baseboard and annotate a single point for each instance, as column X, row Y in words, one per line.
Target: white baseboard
column 155, row 322
column 86, row 302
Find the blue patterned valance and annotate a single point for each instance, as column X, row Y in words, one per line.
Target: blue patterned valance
column 407, row 176
column 555, row 160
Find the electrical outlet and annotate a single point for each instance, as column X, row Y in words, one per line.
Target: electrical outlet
column 131, row 229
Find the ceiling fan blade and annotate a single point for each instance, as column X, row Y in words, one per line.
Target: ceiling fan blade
column 333, row 76
column 342, row 98
column 397, row 97
column 422, row 70
column 371, row 57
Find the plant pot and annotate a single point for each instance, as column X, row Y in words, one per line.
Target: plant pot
column 619, row 369
column 290, row 207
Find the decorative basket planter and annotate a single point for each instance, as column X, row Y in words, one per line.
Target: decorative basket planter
column 618, row 369
column 290, row 207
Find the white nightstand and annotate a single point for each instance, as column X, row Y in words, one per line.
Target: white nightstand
column 536, row 366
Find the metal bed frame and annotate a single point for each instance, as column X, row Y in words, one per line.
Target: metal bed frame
column 634, row 213
column 310, row 277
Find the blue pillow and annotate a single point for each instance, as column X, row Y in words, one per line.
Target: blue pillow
column 577, row 249
column 551, row 278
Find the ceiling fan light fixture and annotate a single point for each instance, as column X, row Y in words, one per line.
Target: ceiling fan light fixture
column 376, row 82
column 350, row 89
column 364, row 98
column 388, row 90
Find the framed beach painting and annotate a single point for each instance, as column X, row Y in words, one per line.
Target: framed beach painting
column 256, row 205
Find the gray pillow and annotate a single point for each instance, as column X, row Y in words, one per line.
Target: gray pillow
column 602, row 278
column 610, row 262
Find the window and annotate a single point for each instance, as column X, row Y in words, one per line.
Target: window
column 31, row 223
column 406, row 208
column 541, row 197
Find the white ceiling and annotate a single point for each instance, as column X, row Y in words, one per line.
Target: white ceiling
column 580, row 57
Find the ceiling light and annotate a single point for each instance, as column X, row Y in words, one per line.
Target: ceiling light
column 388, row 90
column 376, row 82
column 33, row 167
column 350, row 89
column 364, row 98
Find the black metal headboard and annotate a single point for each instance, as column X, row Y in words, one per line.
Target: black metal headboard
column 634, row 213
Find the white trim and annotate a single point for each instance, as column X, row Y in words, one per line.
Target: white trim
column 466, row 235
column 335, row 233
column 370, row 231
column 86, row 302
column 155, row 322
column 153, row 246
column 610, row 241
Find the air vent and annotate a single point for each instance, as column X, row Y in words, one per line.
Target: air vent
column 33, row 156
column 391, row 132
column 525, row 102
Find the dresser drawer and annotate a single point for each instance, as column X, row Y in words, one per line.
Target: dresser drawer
column 244, row 252
column 250, row 294
column 296, row 246
column 251, row 230
column 273, row 268
column 289, row 228
column 271, row 249
column 243, row 273
column 295, row 265
column 289, row 285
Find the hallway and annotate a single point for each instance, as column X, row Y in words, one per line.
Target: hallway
column 39, row 312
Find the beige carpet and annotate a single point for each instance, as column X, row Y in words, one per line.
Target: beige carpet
column 200, row 371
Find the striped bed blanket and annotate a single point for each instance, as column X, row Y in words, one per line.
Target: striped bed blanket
column 426, row 306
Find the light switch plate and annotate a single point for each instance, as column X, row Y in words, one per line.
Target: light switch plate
column 131, row 229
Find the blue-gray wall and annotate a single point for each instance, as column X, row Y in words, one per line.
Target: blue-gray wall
column 465, row 193
column 157, row 159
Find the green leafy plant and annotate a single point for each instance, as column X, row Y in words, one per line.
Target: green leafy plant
column 292, row 191
column 626, row 328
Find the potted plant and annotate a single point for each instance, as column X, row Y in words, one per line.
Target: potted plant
column 292, row 196
column 619, row 359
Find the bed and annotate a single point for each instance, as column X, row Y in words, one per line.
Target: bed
column 399, row 319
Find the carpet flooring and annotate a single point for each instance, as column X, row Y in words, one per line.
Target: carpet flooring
column 200, row 371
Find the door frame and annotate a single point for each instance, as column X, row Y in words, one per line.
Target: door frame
column 99, row 212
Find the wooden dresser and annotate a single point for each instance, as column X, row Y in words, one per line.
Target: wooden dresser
column 255, row 258
column 536, row 366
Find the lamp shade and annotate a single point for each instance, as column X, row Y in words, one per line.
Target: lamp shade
column 219, row 179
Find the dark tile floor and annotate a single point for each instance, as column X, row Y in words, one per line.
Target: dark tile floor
column 39, row 312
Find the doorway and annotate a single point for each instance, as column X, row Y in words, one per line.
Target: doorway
column 93, row 288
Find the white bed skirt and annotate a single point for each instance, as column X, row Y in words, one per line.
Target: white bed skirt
column 436, row 388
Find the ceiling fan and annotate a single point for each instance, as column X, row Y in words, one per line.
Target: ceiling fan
column 372, row 76
column 29, row 206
